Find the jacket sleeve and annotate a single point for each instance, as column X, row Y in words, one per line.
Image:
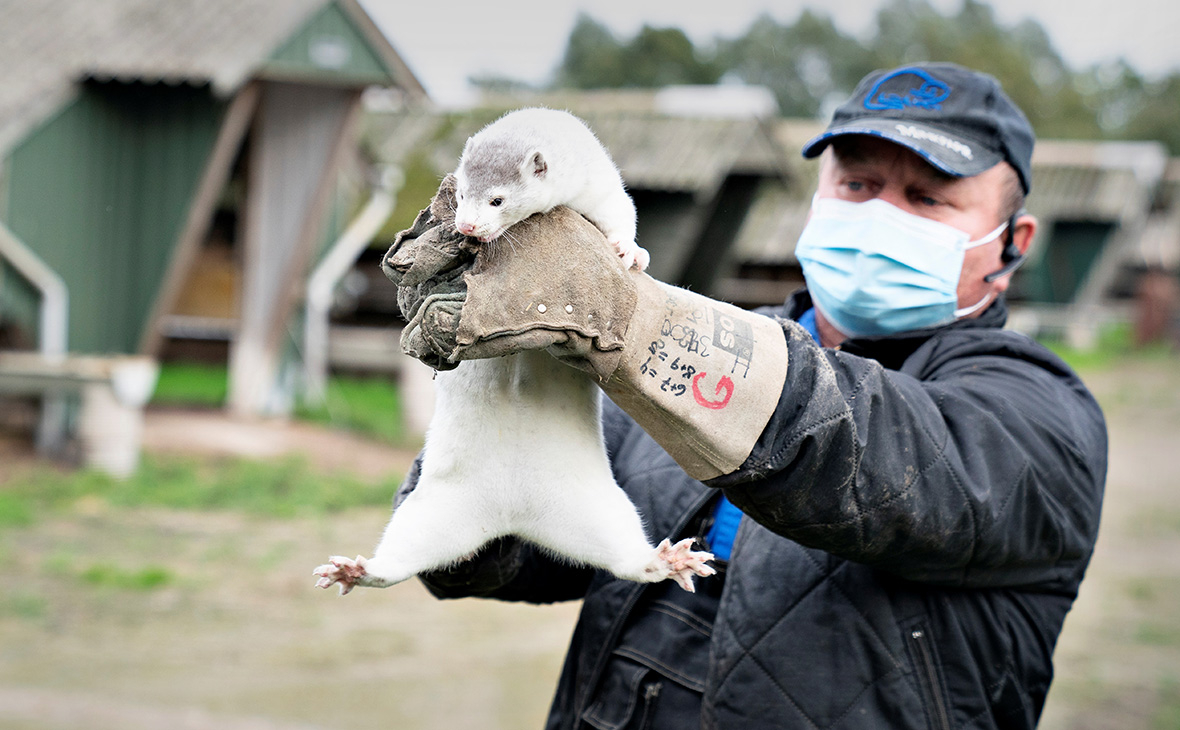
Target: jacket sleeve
column 983, row 465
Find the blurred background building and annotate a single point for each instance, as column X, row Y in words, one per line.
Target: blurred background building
column 216, row 180
column 170, row 173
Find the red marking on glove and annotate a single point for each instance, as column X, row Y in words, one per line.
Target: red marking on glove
column 724, row 384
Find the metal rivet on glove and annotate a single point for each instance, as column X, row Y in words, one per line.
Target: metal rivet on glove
column 541, row 308
column 569, row 309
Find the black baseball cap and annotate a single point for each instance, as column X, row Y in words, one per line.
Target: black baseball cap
column 958, row 120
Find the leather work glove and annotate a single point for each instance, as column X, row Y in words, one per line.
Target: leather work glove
column 700, row 376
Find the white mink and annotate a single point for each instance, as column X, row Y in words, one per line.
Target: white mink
column 516, row 448
column 533, row 160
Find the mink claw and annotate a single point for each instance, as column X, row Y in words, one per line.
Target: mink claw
column 343, row 571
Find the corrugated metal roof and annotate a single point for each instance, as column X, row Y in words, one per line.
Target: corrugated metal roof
column 654, row 151
column 1094, row 180
column 658, row 152
column 1159, row 246
column 774, row 223
column 47, row 46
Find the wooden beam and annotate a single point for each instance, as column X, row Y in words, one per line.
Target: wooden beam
column 301, row 133
column 393, row 61
column 234, row 127
column 295, row 281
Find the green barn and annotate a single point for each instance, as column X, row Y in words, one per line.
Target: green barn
column 132, row 131
column 172, row 169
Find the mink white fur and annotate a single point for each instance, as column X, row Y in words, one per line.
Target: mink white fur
column 515, row 446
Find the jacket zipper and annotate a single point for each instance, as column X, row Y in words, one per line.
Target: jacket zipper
column 650, row 693
column 921, row 641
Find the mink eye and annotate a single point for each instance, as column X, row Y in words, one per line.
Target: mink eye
column 496, row 202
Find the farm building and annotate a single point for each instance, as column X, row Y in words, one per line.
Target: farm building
column 169, row 172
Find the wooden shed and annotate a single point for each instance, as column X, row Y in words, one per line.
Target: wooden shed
column 172, row 166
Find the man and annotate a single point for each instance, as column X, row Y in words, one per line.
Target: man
column 904, row 508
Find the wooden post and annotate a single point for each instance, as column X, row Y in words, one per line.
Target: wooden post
column 298, row 136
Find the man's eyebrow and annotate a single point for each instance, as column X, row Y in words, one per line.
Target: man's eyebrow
column 852, row 153
column 847, row 152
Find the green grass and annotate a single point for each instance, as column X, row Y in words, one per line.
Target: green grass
column 1155, row 633
column 282, row 489
column 14, row 511
column 23, row 605
column 114, row 576
column 1167, row 714
column 191, row 384
column 1114, row 346
column 368, row 406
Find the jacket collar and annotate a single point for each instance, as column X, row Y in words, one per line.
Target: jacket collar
column 893, row 350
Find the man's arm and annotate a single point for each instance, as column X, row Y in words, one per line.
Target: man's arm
column 984, row 468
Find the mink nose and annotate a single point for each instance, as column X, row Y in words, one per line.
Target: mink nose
column 465, row 228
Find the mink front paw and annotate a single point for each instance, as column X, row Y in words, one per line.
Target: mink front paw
column 346, row 572
column 631, row 254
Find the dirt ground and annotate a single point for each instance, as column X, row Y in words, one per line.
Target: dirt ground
column 1118, row 659
column 239, row 639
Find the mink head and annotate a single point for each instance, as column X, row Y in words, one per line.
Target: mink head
column 499, row 183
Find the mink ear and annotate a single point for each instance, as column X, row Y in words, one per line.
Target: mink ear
column 537, row 165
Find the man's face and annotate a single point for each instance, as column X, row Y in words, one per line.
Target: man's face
column 860, row 168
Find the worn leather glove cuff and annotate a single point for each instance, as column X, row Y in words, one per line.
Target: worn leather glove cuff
column 701, row 377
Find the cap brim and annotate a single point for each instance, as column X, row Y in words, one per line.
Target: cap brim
column 953, row 155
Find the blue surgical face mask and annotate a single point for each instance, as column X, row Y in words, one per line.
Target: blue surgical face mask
column 874, row 269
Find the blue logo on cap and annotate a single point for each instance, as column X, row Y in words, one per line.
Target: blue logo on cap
column 924, row 92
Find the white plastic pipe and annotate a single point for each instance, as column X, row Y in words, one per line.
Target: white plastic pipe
column 323, row 280
column 54, row 331
column 55, row 298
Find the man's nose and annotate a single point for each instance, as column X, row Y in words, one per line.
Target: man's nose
column 895, row 196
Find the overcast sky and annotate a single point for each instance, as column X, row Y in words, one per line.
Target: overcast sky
column 446, row 43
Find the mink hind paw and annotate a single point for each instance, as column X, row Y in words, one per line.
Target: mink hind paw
column 680, row 563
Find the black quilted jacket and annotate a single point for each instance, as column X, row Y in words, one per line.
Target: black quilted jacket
column 920, row 512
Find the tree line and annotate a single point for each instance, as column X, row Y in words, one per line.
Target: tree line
column 810, row 65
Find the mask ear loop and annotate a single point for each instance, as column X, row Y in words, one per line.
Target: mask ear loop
column 1011, row 255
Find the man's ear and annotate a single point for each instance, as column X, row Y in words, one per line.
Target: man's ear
column 1024, row 231
column 1024, row 228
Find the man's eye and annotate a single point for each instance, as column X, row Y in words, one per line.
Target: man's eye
column 496, row 202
